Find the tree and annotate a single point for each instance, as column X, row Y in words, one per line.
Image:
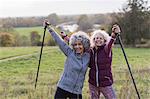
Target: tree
column 35, row 38
column 134, row 21
column 21, row 40
column 53, row 19
column 84, row 23
column 6, row 26
column 6, row 39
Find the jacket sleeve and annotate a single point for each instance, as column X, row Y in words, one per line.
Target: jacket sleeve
column 62, row 45
column 91, row 57
column 109, row 45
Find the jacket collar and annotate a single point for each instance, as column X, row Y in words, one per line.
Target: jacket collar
column 100, row 47
column 80, row 56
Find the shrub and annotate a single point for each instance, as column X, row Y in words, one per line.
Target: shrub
column 49, row 41
column 6, row 39
column 35, row 38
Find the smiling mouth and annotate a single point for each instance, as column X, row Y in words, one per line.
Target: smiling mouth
column 78, row 50
column 99, row 43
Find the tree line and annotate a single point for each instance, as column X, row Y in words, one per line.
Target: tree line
column 134, row 21
column 9, row 37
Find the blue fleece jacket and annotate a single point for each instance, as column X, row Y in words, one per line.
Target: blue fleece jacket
column 75, row 67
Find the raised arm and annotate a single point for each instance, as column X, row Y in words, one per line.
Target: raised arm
column 115, row 31
column 62, row 45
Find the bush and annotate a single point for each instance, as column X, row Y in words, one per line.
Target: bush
column 6, row 40
column 49, row 41
column 35, row 38
column 21, row 40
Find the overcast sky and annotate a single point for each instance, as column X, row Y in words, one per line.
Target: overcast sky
column 13, row 8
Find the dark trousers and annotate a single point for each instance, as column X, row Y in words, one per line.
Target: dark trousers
column 62, row 94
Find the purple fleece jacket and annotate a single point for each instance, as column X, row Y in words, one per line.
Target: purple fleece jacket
column 100, row 74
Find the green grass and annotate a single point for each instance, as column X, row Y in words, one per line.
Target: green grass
column 17, row 77
column 8, row 52
column 27, row 30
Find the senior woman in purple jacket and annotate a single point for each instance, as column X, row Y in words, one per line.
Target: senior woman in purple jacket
column 100, row 74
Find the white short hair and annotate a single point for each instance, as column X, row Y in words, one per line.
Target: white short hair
column 100, row 32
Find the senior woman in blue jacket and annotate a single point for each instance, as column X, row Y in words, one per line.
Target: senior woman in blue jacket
column 71, row 82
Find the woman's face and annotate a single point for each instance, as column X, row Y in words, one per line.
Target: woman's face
column 98, row 40
column 78, row 47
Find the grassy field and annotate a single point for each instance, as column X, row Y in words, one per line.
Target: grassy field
column 27, row 30
column 17, row 76
column 8, row 52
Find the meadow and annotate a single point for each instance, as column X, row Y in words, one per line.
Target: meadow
column 27, row 30
column 17, row 75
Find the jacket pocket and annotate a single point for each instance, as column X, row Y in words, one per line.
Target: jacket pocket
column 107, row 78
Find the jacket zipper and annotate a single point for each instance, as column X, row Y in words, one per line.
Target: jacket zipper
column 97, row 82
column 78, row 74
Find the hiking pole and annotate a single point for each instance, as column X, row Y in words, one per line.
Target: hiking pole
column 40, row 54
column 120, row 42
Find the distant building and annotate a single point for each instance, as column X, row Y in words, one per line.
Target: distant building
column 96, row 26
column 69, row 26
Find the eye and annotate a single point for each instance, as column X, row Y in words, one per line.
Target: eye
column 96, row 38
column 79, row 43
column 75, row 44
